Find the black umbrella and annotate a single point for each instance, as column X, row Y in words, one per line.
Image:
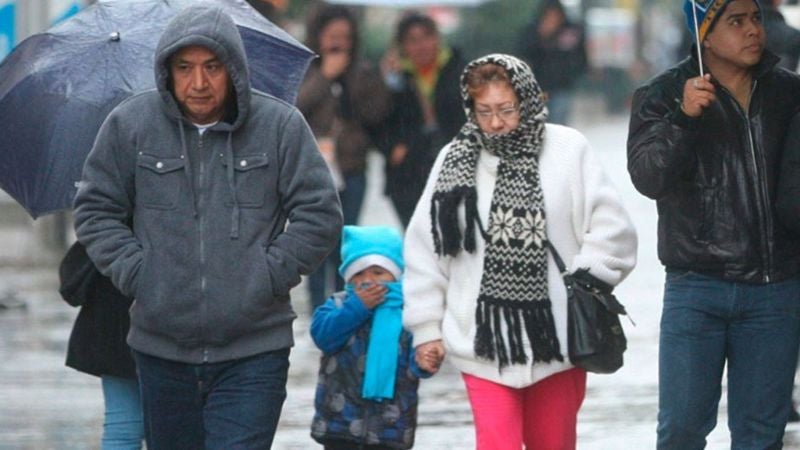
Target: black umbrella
column 57, row 87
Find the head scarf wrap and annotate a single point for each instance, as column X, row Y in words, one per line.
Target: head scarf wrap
column 514, row 280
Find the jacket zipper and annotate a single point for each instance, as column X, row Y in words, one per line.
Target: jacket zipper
column 766, row 220
column 202, row 224
column 768, row 232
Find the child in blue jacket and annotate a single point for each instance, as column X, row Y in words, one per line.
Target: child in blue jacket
column 367, row 390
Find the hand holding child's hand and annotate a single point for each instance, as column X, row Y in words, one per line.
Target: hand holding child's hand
column 429, row 356
column 371, row 294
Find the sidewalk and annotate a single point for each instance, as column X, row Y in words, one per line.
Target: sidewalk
column 44, row 405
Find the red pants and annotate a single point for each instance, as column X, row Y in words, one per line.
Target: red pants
column 543, row 416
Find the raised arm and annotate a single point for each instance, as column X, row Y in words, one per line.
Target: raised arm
column 661, row 141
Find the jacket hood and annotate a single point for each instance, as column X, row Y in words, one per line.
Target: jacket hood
column 206, row 26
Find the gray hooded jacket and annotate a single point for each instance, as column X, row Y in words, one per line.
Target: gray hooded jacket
column 223, row 223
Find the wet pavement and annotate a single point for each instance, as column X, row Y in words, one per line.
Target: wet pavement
column 44, row 405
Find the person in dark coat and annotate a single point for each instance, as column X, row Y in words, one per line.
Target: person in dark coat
column 707, row 148
column 788, row 197
column 788, row 190
column 97, row 346
column 427, row 113
column 782, row 38
column 555, row 48
column 342, row 98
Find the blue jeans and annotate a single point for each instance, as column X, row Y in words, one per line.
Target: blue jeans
column 323, row 281
column 559, row 106
column 122, row 427
column 707, row 322
column 233, row 405
column 352, row 197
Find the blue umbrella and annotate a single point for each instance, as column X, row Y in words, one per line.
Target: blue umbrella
column 57, row 87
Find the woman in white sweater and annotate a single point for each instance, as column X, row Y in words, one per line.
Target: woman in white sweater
column 480, row 285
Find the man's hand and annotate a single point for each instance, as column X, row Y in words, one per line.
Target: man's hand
column 371, row 294
column 429, row 356
column 698, row 94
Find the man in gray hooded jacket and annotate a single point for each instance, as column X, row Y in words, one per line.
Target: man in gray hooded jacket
column 206, row 201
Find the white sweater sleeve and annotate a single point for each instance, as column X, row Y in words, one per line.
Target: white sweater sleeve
column 426, row 275
column 606, row 234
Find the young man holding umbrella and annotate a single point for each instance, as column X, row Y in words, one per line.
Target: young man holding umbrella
column 704, row 141
column 230, row 203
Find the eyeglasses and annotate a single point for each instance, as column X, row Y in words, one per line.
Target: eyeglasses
column 504, row 114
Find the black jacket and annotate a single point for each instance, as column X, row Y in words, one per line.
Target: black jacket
column 558, row 61
column 406, row 124
column 714, row 177
column 788, row 201
column 97, row 343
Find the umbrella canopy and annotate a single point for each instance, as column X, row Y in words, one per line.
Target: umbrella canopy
column 57, row 87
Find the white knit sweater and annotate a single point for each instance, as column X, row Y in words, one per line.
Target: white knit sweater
column 586, row 223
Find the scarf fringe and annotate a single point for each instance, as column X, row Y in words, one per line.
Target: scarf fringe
column 447, row 236
column 535, row 317
column 541, row 330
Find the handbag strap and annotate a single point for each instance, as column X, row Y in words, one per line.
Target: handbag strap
column 619, row 309
column 559, row 262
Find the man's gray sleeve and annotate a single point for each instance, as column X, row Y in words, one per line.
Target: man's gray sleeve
column 104, row 206
column 311, row 204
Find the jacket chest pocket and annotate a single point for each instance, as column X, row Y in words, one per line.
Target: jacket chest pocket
column 250, row 179
column 158, row 181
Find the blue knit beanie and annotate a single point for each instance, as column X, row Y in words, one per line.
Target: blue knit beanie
column 708, row 11
column 371, row 246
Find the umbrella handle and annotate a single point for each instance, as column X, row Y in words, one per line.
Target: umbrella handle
column 697, row 37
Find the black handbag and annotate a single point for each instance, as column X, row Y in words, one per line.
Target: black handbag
column 595, row 336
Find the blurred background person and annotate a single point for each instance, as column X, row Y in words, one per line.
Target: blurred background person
column 782, row 38
column 273, row 10
column 555, row 48
column 342, row 98
column 97, row 347
column 423, row 73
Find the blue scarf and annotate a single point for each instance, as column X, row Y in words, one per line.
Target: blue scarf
column 384, row 343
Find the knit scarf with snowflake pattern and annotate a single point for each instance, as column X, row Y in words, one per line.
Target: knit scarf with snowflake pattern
column 513, row 297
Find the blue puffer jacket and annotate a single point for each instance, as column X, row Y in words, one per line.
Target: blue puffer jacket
column 341, row 328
